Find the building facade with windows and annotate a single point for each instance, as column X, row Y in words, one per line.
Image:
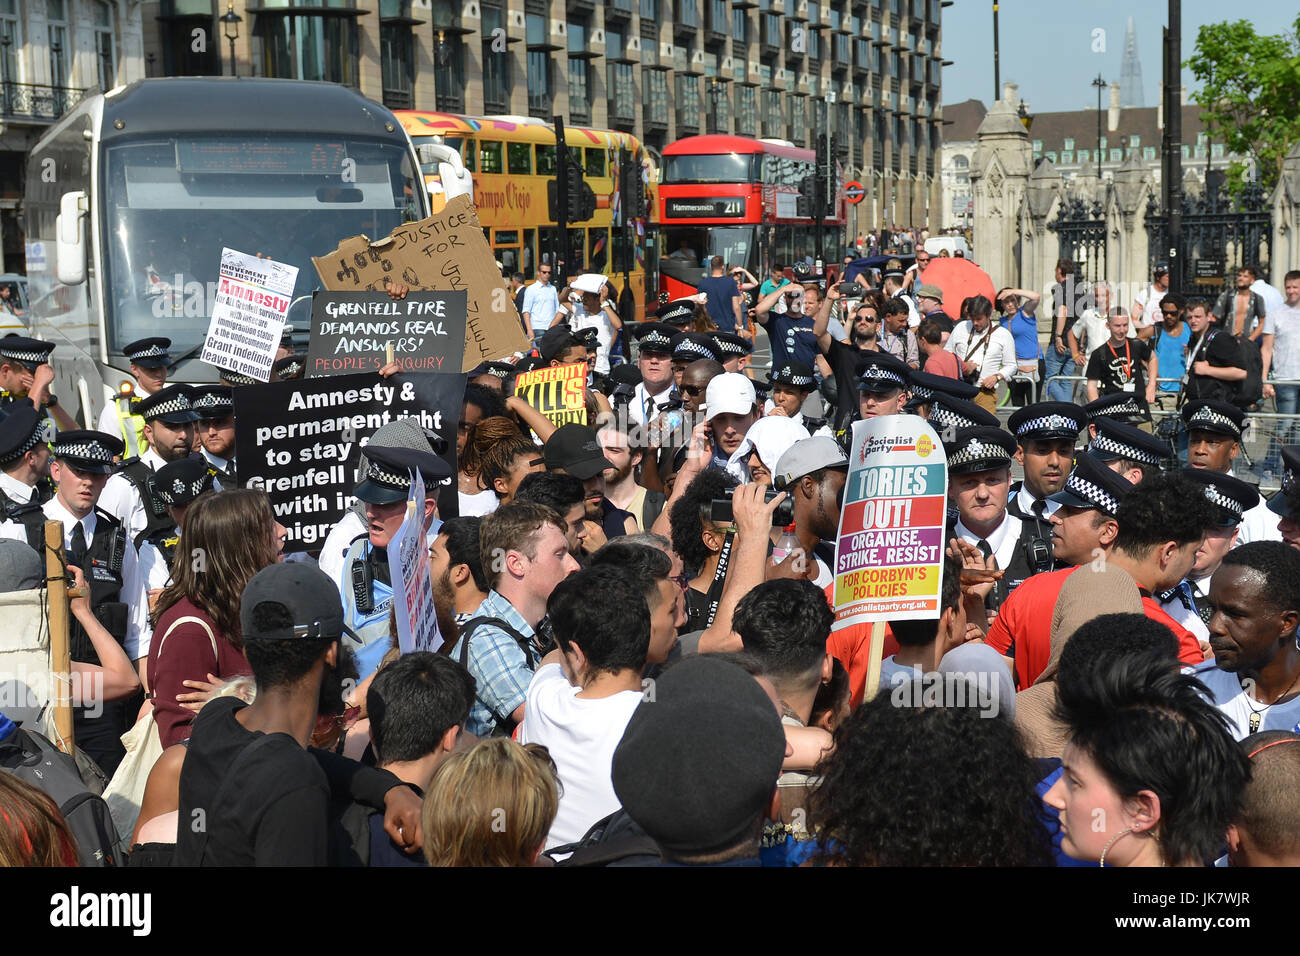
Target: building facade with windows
column 52, row 54
column 867, row 70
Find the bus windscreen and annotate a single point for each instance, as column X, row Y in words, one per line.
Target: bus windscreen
column 165, row 227
column 711, row 168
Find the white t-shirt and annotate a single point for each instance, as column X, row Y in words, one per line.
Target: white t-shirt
column 1092, row 332
column 1227, row 694
column 582, row 319
column 1286, row 342
column 1150, row 303
column 476, row 506
column 996, row 356
column 581, row 735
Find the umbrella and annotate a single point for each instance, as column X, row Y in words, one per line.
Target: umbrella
column 959, row 279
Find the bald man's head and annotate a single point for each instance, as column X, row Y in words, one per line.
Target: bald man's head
column 1267, row 830
column 696, row 378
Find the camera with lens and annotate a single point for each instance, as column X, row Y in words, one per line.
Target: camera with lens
column 622, row 394
column 852, row 290
column 720, row 511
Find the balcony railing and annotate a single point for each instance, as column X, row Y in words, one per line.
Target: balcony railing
column 32, row 101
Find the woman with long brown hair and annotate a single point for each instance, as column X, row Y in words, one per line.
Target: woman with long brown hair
column 228, row 537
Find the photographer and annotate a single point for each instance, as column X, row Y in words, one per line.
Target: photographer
column 791, row 334
column 987, row 353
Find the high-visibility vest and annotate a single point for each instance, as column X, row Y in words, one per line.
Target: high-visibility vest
column 131, row 427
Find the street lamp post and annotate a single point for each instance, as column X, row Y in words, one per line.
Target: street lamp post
column 1100, row 84
column 230, row 21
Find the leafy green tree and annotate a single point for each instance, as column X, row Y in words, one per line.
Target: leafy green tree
column 1250, row 93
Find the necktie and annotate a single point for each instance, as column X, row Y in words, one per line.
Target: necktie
column 1202, row 610
column 984, row 547
column 649, row 408
column 35, row 497
column 77, row 553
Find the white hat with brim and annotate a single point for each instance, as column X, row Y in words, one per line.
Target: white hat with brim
column 729, row 393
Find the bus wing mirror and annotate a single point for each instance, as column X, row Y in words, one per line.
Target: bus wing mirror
column 69, row 227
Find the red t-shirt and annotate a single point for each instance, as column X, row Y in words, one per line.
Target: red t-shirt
column 1023, row 627
column 1189, row 647
column 942, row 363
column 186, row 655
column 1025, row 621
column 851, row 646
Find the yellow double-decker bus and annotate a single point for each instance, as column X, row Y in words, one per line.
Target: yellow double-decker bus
column 511, row 159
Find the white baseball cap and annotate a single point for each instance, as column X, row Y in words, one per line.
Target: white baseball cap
column 729, row 393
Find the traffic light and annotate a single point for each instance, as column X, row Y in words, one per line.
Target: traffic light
column 807, row 202
column 631, row 188
column 581, row 201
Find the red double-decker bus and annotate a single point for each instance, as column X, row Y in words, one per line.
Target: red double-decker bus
column 738, row 198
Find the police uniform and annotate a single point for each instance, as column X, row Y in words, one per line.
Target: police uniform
column 176, row 483
column 732, row 348
column 1224, row 418
column 1114, row 440
column 289, row 368
column 216, row 402
column 366, row 582
column 31, row 354
column 948, row 414
column 120, row 417
column 1188, row 601
column 983, row 449
column 1121, row 406
column 653, row 337
column 20, row 431
column 234, row 379
column 1042, row 421
column 129, row 494
column 923, row 386
column 693, row 346
column 1279, row 504
column 98, row 545
column 1023, row 628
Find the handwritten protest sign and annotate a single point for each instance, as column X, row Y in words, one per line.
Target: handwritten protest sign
column 253, row 297
column 408, row 565
column 300, row 440
column 889, row 551
column 556, row 392
column 351, row 330
column 446, row 252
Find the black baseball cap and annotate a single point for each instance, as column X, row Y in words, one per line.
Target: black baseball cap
column 305, row 592
column 575, row 449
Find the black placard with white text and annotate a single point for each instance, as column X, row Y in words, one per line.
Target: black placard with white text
column 300, row 440
column 350, row 332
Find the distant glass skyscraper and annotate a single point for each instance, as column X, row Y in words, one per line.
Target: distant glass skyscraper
column 1130, row 73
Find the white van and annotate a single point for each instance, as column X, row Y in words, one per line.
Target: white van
column 936, row 244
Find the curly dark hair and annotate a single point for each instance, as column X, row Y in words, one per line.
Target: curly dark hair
column 685, row 519
column 928, row 786
column 1167, row 506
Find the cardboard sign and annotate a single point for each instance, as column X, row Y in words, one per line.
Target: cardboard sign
column 408, row 565
column 252, row 299
column 890, row 546
column 557, row 392
column 300, row 440
column 350, row 332
column 446, row 252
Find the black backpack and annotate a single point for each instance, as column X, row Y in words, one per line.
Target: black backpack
column 503, row 726
column 1251, row 388
column 34, row 760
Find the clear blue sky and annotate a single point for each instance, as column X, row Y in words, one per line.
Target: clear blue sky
column 1047, row 45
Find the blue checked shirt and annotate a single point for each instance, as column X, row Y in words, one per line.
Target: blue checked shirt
column 500, row 668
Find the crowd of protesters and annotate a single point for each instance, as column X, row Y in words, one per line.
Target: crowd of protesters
column 637, row 661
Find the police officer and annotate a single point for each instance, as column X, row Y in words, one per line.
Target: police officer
column 1188, row 602
column 95, row 542
column 169, row 433
column 150, row 362
column 882, row 385
column 949, row 413
column 25, row 373
column 366, row 583
column 1122, row 407
column 654, row 359
column 289, row 368
column 1127, row 450
column 1046, row 434
column 24, row 458
column 735, row 349
column 176, row 484
column 979, row 469
column 1213, row 442
column 922, row 387
column 215, row 430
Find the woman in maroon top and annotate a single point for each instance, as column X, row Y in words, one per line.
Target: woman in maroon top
column 229, row 537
